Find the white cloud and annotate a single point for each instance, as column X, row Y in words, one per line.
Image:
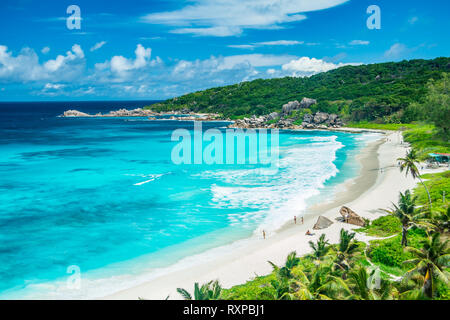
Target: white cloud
column 306, row 66
column 267, row 43
column 359, row 43
column 280, row 43
column 212, row 31
column 230, row 18
column 120, row 64
column 53, row 86
column 396, row 51
column 143, row 76
column 242, row 46
column 62, row 61
column 256, row 60
column 26, row 66
column 98, row 45
column 45, row 50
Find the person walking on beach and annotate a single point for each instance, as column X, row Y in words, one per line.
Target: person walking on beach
column 295, row 219
column 264, row 235
column 302, row 220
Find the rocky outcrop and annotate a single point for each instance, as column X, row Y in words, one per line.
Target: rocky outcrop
column 307, row 102
column 253, row 122
column 289, row 107
column 321, row 119
column 74, row 113
column 351, row 217
column 295, row 105
column 286, row 119
column 139, row 112
column 273, row 116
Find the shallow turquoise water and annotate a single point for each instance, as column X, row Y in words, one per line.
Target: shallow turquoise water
column 104, row 195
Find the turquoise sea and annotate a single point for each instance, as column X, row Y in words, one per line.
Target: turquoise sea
column 103, row 194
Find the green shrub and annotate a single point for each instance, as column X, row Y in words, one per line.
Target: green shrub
column 252, row 290
column 383, row 227
column 390, row 251
column 437, row 183
column 425, row 139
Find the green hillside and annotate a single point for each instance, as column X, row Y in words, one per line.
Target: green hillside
column 379, row 92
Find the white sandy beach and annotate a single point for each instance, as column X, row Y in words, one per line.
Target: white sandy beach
column 366, row 194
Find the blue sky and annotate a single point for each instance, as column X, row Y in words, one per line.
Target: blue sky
column 144, row 49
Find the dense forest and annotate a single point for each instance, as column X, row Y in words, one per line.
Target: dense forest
column 385, row 92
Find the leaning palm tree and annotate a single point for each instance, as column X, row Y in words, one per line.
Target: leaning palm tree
column 405, row 211
column 408, row 164
column 430, row 261
column 346, row 249
column 208, row 291
column 320, row 248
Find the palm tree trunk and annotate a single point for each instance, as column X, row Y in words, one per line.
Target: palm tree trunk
column 428, row 285
column 426, row 189
column 404, row 236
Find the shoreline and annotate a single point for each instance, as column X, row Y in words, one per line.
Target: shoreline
column 369, row 191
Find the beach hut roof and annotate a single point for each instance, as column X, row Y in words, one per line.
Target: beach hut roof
column 440, row 157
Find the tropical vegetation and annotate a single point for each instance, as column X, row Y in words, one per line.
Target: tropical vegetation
column 409, row 261
column 391, row 92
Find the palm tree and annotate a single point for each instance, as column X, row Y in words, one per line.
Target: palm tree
column 411, row 287
column 286, row 271
column 346, row 249
column 281, row 290
column 405, row 211
column 409, row 164
column 360, row 280
column 315, row 284
column 320, row 248
column 430, row 261
column 440, row 221
column 208, row 291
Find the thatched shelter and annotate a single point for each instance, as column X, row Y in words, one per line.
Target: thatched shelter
column 351, row 217
column 322, row 223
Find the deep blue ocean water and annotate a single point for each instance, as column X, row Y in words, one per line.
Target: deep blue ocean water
column 103, row 194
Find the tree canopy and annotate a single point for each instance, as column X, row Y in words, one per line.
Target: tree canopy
column 381, row 92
